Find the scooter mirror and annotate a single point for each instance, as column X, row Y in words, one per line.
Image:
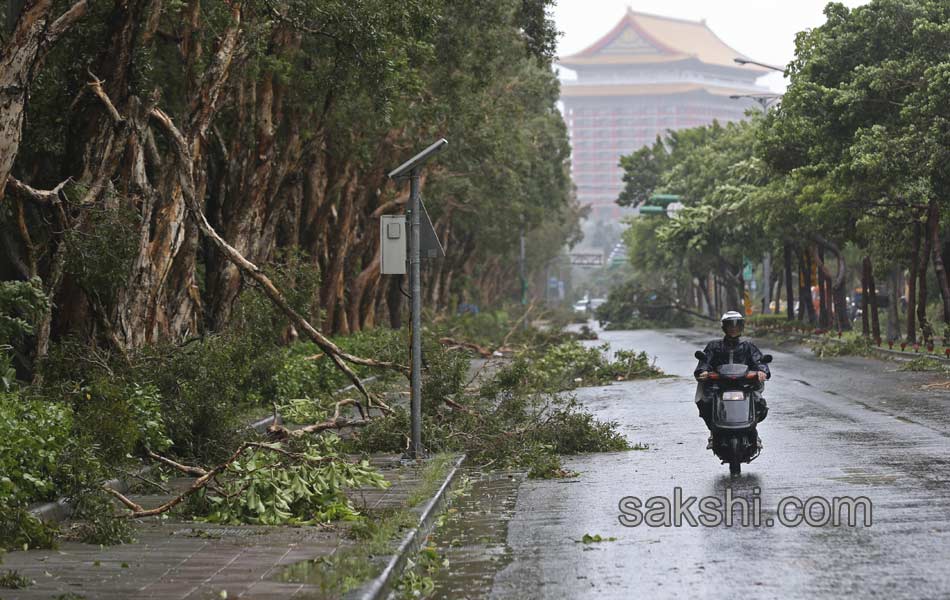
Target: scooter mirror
column 700, row 355
column 767, row 359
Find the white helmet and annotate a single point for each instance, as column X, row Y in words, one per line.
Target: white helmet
column 733, row 318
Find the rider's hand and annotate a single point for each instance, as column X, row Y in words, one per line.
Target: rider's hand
column 703, row 376
column 761, row 375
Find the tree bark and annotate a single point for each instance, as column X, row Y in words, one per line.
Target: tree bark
column 394, row 301
column 824, row 320
column 806, row 308
column 704, row 290
column 933, row 229
column 778, row 292
column 893, row 308
column 789, row 291
column 839, row 281
column 912, row 286
column 32, row 38
column 872, row 303
column 865, row 290
column 925, row 328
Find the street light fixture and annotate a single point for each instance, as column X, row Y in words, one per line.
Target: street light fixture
column 746, row 61
column 764, row 100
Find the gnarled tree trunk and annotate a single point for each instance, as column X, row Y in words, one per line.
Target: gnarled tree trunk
column 839, row 293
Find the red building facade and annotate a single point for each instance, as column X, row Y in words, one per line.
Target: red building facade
column 649, row 74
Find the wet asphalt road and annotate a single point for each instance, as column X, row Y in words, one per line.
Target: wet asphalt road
column 837, row 427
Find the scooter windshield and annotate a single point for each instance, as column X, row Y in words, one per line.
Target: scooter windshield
column 734, row 411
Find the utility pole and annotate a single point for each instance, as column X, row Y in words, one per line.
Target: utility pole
column 411, row 170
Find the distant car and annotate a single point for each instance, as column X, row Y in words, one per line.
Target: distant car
column 596, row 303
column 582, row 306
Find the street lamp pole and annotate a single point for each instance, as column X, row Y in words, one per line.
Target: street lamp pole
column 764, row 101
column 411, row 170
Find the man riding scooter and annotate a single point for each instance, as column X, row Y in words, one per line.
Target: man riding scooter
column 730, row 349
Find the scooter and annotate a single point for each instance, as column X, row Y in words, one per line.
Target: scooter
column 734, row 436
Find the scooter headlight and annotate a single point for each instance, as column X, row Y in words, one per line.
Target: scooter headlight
column 733, row 396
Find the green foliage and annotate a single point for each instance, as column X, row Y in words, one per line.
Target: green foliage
column 298, row 485
column 12, row 580
column 487, row 328
column 35, row 438
column 630, row 305
column 517, row 418
column 20, row 530
column 567, row 366
column 416, row 581
column 925, row 364
column 306, row 372
column 204, row 388
column 99, row 256
column 595, row 539
column 97, row 522
column 850, row 344
column 122, row 418
column 21, row 304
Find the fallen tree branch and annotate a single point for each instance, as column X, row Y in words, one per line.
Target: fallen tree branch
column 196, row 471
column 205, row 480
column 504, row 341
column 687, row 311
column 481, row 350
column 280, row 432
column 455, row 405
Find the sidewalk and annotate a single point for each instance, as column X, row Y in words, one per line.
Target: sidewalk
column 185, row 560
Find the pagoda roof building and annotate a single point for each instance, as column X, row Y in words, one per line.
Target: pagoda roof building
column 647, row 75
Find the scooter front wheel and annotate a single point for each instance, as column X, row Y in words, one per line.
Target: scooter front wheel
column 735, row 466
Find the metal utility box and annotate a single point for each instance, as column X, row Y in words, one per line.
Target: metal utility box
column 393, row 239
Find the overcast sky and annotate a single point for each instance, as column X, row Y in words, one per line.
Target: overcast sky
column 761, row 29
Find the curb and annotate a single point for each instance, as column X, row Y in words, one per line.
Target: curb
column 58, row 511
column 381, row 587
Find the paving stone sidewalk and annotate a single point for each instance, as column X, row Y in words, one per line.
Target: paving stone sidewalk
column 184, row 560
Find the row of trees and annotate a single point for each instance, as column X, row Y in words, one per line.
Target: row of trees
column 856, row 156
column 280, row 118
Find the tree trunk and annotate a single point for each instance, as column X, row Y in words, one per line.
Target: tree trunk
column 838, row 282
column 731, row 282
column 31, row 39
column 805, row 299
column 778, row 292
column 790, row 300
column 394, row 301
column 824, row 320
column 925, row 328
column 872, row 303
column 865, row 290
column 704, row 290
column 933, row 229
column 912, row 286
column 893, row 308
